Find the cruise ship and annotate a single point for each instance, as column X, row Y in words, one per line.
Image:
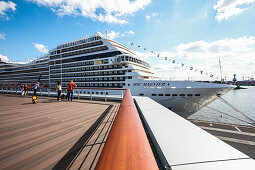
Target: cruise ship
column 99, row 62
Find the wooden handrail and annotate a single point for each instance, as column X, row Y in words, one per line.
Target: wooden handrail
column 127, row 146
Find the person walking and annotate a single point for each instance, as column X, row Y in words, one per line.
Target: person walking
column 36, row 86
column 71, row 87
column 58, row 88
column 25, row 89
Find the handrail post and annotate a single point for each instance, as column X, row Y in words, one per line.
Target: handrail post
column 78, row 95
column 41, row 91
column 48, row 92
column 121, row 94
column 90, row 95
column 16, row 90
column 105, row 99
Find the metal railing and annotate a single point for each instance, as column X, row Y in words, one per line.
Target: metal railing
column 88, row 93
column 127, row 146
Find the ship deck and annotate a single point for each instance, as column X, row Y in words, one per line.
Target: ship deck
column 51, row 134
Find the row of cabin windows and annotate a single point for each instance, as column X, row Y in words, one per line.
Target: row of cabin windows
column 85, row 51
column 92, row 68
column 132, row 59
column 98, row 79
column 182, row 95
column 25, row 69
column 78, row 42
column 89, row 57
column 101, row 73
column 25, row 73
column 64, row 84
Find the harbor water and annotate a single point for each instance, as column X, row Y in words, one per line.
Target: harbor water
column 242, row 99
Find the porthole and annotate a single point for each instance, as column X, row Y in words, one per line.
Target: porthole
column 153, row 94
column 197, row 94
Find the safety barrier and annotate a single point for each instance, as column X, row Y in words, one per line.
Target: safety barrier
column 127, row 146
column 91, row 93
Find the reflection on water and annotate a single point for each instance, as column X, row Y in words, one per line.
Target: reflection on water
column 243, row 100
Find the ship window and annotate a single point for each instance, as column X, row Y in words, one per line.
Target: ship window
column 167, row 94
column 153, row 94
column 102, row 93
column 96, row 92
column 190, row 95
column 106, row 93
column 141, row 94
column 182, row 94
column 197, row 94
column 160, row 94
column 174, row 95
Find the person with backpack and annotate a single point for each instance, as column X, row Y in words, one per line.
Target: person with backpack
column 36, row 86
column 71, row 87
column 58, row 88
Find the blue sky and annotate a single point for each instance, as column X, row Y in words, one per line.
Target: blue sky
column 197, row 33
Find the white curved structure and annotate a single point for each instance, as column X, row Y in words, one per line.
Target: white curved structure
column 97, row 61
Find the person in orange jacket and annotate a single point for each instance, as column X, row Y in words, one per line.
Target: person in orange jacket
column 71, row 87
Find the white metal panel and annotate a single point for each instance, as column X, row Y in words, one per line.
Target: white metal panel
column 183, row 142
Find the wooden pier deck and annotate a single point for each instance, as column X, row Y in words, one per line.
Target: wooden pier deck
column 51, row 134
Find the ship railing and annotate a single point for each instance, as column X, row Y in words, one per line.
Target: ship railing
column 79, row 92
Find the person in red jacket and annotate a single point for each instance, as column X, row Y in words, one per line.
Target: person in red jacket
column 25, row 89
column 71, row 87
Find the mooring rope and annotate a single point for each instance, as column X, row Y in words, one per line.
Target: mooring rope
column 221, row 112
column 237, row 110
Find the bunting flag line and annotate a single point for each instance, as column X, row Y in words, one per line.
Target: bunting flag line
column 191, row 68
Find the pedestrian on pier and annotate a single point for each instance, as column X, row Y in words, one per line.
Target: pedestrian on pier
column 36, row 86
column 71, row 87
column 58, row 88
column 25, row 87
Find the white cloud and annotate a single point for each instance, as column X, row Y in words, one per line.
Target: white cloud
column 111, row 11
column 4, row 58
column 2, row 36
column 112, row 35
column 5, row 6
column 130, row 32
column 41, row 48
column 227, row 8
column 148, row 17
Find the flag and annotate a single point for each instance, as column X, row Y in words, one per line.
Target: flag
column 191, row 68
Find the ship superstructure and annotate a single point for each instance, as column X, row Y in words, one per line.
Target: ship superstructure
column 97, row 61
